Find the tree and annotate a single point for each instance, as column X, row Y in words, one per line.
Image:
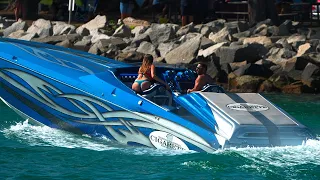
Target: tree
column 260, row 10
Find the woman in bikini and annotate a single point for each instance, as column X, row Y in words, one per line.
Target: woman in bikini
column 146, row 73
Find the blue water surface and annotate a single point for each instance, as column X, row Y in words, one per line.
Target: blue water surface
column 34, row 152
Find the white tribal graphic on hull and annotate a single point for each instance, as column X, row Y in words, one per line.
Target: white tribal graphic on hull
column 92, row 115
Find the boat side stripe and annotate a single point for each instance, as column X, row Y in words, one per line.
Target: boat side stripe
column 42, row 112
column 273, row 131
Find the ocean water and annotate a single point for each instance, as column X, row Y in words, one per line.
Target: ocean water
column 34, row 152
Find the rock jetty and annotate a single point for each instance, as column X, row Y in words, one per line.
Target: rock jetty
column 263, row 58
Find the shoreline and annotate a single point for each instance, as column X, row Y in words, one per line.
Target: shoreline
column 263, row 58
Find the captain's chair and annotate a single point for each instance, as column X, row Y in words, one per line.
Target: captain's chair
column 158, row 94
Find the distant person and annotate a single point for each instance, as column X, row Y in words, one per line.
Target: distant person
column 146, row 74
column 188, row 8
column 160, row 5
column 19, row 9
column 126, row 7
column 202, row 79
column 201, row 11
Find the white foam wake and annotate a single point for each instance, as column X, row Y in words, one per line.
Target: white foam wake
column 309, row 153
column 46, row 136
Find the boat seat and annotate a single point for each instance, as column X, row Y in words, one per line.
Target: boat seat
column 212, row 88
column 159, row 95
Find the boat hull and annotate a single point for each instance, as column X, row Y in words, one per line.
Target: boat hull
column 62, row 106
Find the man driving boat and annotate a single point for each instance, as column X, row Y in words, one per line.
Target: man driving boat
column 202, row 79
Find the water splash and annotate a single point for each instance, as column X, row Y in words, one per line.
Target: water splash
column 46, row 136
column 289, row 156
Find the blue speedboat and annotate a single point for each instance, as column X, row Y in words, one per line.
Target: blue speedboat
column 88, row 94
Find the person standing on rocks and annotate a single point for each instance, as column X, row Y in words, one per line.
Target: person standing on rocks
column 188, row 8
column 19, row 9
column 202, row 79
column 126, row 7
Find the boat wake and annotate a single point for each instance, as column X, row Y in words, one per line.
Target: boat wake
column 289, row 156
column 33, row 135
column 46, row 136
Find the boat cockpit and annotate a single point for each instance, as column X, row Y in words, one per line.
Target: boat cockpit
column 179, row 81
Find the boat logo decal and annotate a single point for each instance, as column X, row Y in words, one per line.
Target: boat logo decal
column 163, row 140
column 247, row 107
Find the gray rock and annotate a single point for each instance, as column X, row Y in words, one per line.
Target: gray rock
column 138, row 30
column 57, row 39
column 17, row 34
column 238, row 26
column 140, row 38
column 206, row 30
column 283, row 43
column 273, row 31
column 60, row 28
column 147, row 48
column 66, row 43
column 41, row 27
column 186, row 29
column 210, row 50
column 95, row 38
column 262, row 30
column 313, row 58
column 19, row 25
column 245, row 83
column 243, row 34
column 118, row 42
column 94, row 49
column 217, row 23
column 185, row 53
column 307, row 73
column 160, row 33
column 248, row 52
column 96, row 23
column 296, row 38
column 284, row 28
column 82, row 31
column 253, row 70
column 205, row 43
column 130, row 57
column 281, row 79
column 164, row 48
column 28, row 37
column 259, row 40
column 122, row 31
column 223, row 35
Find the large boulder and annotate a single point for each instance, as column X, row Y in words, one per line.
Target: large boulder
column 60, row 28
column 246, row 83
column 249, row 52
column 147, row 48
column 96, row 23
column 41, row 27
column 122, row 31
column 185, row 53
column 253, row 70
column 19, row 25
column 160, row 33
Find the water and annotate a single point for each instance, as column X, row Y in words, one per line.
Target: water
column 33, row 152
